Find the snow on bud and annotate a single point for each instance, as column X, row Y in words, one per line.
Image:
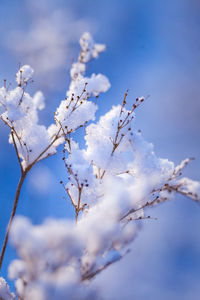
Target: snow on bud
column 97, row 84
column 24, row 74
column 77, row 70
column 89, row 48
column 188, row 187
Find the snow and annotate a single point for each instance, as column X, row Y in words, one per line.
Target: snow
column 5, row 293
column 111, row 180
column 19, row 110
column 24, row 74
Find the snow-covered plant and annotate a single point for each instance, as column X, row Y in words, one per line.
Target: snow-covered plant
column 110, row 182
column 19, row 111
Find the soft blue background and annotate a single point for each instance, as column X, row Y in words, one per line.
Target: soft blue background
column 153, row 48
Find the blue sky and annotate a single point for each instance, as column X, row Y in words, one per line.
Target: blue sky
column 153, row 48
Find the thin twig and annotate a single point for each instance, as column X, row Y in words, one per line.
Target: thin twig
column 19, row 187
column 190, row 195
column 16, row 150
column 131, row 211
column 79, row 202
column 45, row 150
column 89, row 275
column 23, row 175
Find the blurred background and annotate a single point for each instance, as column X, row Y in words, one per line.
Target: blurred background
column 153, row 48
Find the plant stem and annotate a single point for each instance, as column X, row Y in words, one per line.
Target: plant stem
column 23, row 175
column 79, row 203
column 24, row 172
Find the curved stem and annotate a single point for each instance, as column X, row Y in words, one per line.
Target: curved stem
column 23, row 175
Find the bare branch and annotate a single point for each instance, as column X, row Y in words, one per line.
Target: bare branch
column 16, row 150
column 23, row 175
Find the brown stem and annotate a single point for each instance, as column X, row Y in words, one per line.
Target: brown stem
column 131, row 211
column 89, row 275
column 79, row 203
column 19, row 187
column 44, row 151
column 23, row 175
column 16, row 150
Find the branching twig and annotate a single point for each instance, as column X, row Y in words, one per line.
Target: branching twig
column 133, row 210
column 171, row 188
column 16, row 150
column 122, row 123
column 24, row 172
column 44, row 151
column 89, row 275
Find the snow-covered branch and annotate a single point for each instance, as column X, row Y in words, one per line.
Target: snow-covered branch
column 110, row 182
